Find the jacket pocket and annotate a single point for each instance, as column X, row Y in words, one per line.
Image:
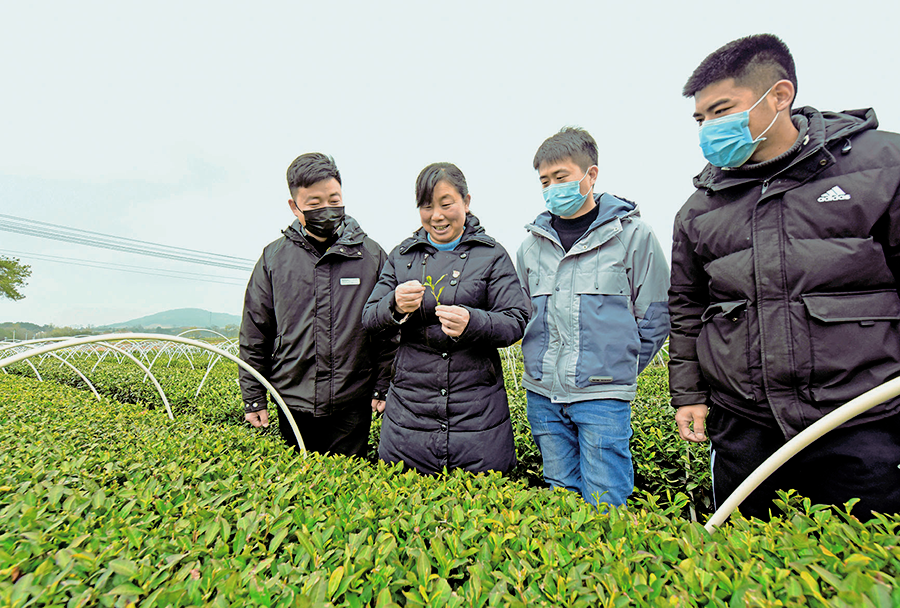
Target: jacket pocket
column 723, row 349
column 537, row 336
column 608, row 342
column 854, row 341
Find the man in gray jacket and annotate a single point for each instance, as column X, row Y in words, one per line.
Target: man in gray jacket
column 785, row 276
column 302, row 324
column 597, row 279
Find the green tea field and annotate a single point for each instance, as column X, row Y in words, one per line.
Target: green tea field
column 109, row 502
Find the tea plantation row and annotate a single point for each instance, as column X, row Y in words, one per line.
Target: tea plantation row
column 664, row 465
column 105, row 503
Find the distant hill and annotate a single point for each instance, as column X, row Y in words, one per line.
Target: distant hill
column 181, row 317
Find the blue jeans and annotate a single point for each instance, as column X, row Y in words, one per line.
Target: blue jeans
column 585, row 446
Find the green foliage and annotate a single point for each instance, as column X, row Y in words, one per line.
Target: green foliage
column 13, row 276
column 219, row 399
column 431, row 286
column 664, row 465
column 104, row 503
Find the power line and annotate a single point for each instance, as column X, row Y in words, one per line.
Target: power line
column 120, row 238
column 114, row 247
column 169, row 274
column 115, row 243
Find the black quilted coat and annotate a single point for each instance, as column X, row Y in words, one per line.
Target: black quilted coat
column 447, row 406
column 301, row 326
column 784, row 298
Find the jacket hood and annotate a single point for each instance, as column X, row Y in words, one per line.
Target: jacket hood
column 610, row 207
column 824, row 128
column 472, row 233
column 352, row 233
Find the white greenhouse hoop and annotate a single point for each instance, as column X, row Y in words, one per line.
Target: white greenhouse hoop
column 80, row 375
column 212, row 331
column 851, row 409
column 106, row 338
column 63, row 343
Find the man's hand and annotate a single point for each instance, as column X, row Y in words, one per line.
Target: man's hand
column 690, row 419
column 454, row 319
column 408, row 296
column 377, row 406
column 258, row 419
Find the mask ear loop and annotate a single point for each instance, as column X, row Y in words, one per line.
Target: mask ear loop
column 761, row 138
column 766, row 130
column 582, row 179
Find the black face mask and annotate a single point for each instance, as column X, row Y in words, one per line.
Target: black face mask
column 324, row 221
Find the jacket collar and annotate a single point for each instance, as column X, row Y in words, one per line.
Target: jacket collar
column 823, row 130
column 473, row 234
column 611, row 208
column 352, row 234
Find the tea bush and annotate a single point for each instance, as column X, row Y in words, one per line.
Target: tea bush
column 664, row 465
column 105, row 503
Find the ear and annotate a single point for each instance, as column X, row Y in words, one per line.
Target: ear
column 594, row 174
column 296, row 211
column 466, row 202
column 784, row 94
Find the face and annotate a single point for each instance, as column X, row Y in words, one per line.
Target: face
column 444, row 218
column 567, row 170
column 326, row 193
column 725, row 97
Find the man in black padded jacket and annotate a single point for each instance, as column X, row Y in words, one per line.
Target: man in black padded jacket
column 301, row 327
column 784, row 293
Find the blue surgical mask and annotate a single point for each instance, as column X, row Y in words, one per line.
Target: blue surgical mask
column 565, row 199
column 727, row 142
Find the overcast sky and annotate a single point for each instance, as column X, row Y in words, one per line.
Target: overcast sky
column 174, row 122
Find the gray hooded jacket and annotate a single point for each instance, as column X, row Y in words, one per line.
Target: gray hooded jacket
column 599, row 311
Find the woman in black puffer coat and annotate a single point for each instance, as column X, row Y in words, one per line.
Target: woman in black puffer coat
column 446, row 406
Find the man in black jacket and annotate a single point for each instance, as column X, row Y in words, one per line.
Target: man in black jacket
column 784, row 294
column 302, row 327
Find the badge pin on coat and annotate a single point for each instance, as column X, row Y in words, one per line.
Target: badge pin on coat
column 455, row 274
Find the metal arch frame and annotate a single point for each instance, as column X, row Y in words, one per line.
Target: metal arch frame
column 77, row 371
column 228, row 345
column 62, row 343
column 206, row 375
column 36, row 373
column 212, row 331
column 52, row 354
column 143, row 367
column 179, row 350
column 68, row 343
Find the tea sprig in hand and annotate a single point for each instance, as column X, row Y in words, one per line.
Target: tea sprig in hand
column 431, row 285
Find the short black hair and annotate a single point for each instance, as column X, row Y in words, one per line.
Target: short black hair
column 757, row 62
column 570, row 142
column 311, row 168
column 434, row 174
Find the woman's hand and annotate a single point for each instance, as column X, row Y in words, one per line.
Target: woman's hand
column 454, row 319
column 408, row 296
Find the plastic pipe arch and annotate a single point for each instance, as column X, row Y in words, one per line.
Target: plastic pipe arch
column 61, row 343
column 851, row 409
column 68, row 343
